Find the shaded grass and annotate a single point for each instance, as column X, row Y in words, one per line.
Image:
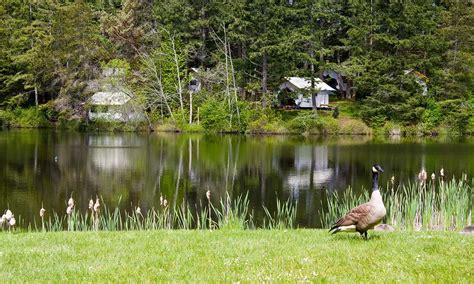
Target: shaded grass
column 236, row 255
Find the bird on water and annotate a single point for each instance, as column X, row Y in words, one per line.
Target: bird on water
column 365, row 216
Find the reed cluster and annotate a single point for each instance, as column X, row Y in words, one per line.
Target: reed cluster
column 226, row 214
column 420, row 205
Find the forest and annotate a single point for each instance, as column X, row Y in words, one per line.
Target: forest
column 53, row 53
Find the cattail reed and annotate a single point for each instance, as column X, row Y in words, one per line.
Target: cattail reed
column 8, row 215
column 208, row 196
column 96, row 212
column 422, row 176
column 41, row 213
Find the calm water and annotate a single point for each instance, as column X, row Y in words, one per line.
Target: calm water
column 45, row 167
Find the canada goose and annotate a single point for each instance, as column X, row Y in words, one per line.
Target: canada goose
column 364, row 217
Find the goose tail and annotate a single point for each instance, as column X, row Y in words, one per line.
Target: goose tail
column 336, row 230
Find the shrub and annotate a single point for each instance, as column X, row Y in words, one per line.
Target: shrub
column 214, row 115
column 303, row 122
column 392, row 128
column 29, row 118
column 353, row 126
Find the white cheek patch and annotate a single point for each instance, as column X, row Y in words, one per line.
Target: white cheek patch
column 374, row 170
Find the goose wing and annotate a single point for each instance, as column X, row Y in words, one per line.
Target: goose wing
column 354, row 216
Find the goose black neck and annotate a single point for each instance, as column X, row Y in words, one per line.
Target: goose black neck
column 375, row 181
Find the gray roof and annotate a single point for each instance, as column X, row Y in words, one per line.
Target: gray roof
column 109, row 98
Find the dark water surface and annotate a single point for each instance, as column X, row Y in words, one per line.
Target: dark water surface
column 45, row 167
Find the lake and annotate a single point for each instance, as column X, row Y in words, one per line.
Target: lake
column 44, row 168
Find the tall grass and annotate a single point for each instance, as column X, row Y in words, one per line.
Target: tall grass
column 285, row 216
column 228, row 214
column 412, row 206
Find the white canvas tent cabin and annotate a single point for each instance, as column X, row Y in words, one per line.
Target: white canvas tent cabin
column 302, row 87
column 113, row 106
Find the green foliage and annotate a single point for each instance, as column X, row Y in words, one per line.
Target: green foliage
column 33, row 117
column 383, row 50
column 120, row 64
column 214, row 115
column 457, row 115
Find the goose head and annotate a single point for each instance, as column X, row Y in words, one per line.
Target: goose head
column 377, row 169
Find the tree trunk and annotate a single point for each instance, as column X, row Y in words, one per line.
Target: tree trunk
column 264, row 75
column 36, row 96
column 190, row 107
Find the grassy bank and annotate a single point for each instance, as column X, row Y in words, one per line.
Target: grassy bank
column 236, row 255
column 252, row 119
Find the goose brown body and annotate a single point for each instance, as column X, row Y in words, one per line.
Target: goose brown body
column 365, row 216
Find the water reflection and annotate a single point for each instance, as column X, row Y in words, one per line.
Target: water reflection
column 46, row 167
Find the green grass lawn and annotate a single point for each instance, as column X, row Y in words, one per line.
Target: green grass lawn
column 253, row 255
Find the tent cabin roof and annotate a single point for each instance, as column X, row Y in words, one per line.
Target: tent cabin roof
column 305, row 84
column 109, row 98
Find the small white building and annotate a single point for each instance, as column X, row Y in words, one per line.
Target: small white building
column 113, row 106
column 302, row 86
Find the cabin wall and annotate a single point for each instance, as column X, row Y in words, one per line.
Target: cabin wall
column 322, row 98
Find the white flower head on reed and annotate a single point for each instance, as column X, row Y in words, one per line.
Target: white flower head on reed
column 70, row 202
column 161, row 200
column 441, row 172
column 96, row 205
column 208, row 195
column 422, row 175
column 69, row 210
column 433, row 176
column 8, row 215
column 165, row 202
column 91, row 204
column 42, row 211
column 12, row 221
column 138, row 211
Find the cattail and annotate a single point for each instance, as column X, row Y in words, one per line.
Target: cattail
column 138, row 211
column 42, row 210
column 422, row 175
column 96, row 205
column 208, row 195
column 69, row 210
column 70, row 203
column 165, row 202
column 8, row 215
column 433, row 176
column 91, row 204
column 12, row 221
column 161, row 200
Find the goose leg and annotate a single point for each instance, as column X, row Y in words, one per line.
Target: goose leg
column 365, row 235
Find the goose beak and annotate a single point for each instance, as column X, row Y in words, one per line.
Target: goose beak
column 379, row 168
